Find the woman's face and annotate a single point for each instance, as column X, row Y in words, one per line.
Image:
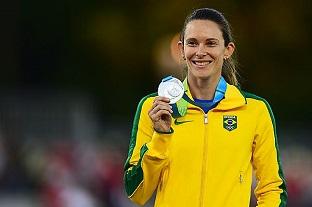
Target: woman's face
column 204, row 49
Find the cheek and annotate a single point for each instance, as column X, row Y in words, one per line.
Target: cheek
column 189, row 53
column 217, row 53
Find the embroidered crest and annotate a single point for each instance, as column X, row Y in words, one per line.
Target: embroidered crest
column 229, row 122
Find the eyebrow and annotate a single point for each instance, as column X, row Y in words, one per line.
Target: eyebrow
column 209, row 39
column 215, row 39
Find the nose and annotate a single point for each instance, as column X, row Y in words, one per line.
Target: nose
column 201, row 52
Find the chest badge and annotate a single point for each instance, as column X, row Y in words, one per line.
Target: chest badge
column 229, row 122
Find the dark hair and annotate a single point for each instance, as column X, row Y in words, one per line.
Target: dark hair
column 229, row 65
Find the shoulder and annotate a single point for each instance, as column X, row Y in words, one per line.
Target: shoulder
column 146, row 102
column 143, row 107
column 253, row 97
column 147, row 99
column 257, row 101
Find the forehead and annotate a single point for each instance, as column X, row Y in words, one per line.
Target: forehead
column 203, row 29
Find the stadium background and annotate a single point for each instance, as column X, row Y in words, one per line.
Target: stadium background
column 72, row 73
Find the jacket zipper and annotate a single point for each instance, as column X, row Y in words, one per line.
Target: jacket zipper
column 205, row 118
column 241, row 177
column 204, row 164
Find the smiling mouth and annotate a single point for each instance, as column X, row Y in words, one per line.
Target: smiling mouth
column 201, row 63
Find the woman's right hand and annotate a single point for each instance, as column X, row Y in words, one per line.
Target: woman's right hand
column 160, row 114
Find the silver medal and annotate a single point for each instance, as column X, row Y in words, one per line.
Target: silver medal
column 172, row 88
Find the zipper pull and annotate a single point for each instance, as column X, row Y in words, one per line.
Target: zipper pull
column 205, row 118
column 241, row 177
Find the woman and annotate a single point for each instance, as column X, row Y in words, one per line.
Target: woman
column 201, row 151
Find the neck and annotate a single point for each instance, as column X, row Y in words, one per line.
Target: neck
column 203, row 88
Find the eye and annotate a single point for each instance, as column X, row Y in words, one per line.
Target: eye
column 191, row 43
column 212, row 43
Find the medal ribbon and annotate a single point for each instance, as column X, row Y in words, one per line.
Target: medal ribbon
column 180, row 108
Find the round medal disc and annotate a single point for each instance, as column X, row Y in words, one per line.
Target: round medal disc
column 172, row 88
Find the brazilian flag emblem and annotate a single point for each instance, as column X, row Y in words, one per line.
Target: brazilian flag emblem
column 229, row 122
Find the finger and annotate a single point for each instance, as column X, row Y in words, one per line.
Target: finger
column 161, row 98
column 161, row 107
column 160, row 103
column 154, row 111
column 157, row 116
column 164, row 107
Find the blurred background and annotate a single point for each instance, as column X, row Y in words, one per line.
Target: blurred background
column 73, row 72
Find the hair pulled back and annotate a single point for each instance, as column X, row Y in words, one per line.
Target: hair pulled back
column 229, row 71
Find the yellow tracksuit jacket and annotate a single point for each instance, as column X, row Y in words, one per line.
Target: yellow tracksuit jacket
column 207, row 159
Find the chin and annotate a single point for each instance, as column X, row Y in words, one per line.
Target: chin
column 205, row 73
column 201, row 74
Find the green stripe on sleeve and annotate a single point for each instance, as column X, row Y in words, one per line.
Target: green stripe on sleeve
column 283, row 195
column 134, row 176
column 135, row 129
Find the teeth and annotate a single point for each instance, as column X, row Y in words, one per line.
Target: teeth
column 202, row 63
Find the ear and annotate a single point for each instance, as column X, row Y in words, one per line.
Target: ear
column 229, row 50
column 181, row 49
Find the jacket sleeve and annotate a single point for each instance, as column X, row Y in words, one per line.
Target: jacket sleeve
column 147, row 156
column 271, row 187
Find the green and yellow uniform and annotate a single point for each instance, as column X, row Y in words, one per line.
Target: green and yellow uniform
column 207, row 158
